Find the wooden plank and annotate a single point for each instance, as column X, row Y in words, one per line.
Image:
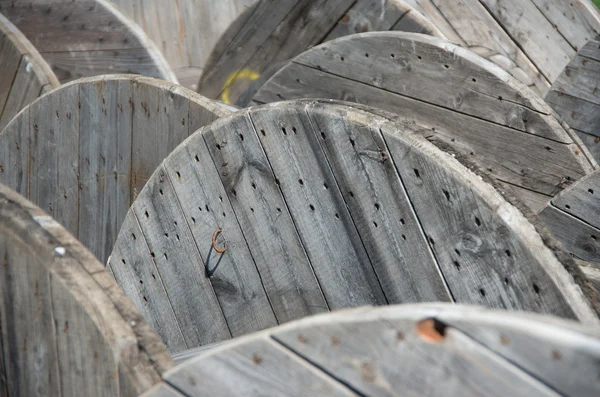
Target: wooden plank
column 196, row 306
column 15, row 154
column 552, row 357
column 29, row 340
column 396, row 244
column 297, row 162
column 360, row 353
column 89, row 34
column 577, row 21
column 90, row 156
column 543, row 44
column 258, row 366
column 291, row 288
column 141, row 280
column 578, row 113
column 582, row 199
column 479, row 31
column 580, row 79
column 55, row 143
column 105, row 163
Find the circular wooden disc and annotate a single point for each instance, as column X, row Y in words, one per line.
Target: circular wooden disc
column 86, row 38
column 84, row 151
column 274, row 31
column 25, row 74
column 469, row 105
column 186, row 32
column 322, row 206
column 417, row 350
column 67, row 328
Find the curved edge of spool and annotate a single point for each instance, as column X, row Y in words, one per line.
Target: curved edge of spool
column 40, row 66
column 136, row 347
column 525, row 322
column 553, row 259
column 531, row 99
column 155, row 54
column 221, row 110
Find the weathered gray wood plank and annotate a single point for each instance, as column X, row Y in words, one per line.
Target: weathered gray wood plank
column 384, row 218
column 170, row 243
column 573, row 218
column 291, row 288
column 93, row 143
column 141, row 280
column 258, row 366
column 86, row 33
column 318, row 208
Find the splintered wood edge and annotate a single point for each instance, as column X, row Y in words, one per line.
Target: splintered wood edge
column 136, row 346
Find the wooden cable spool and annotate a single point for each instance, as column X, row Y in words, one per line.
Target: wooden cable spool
column 25, row 74
column 83, row 152
column 322, row 206
column 185, row 32
column 417, row 350
column 86, row 38
column 66, row 327
column 273, row 31
column 463, row 102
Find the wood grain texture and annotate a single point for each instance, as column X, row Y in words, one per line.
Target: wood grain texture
column 325, row 206
column 186, row 32
column 84, row 151
column 459, row 99
column 534, row 40
column 433, row 350
column 86, row 38
column 67, row 329
column 574, row 218
column 275, row 31
column 574, row 95
column 25, row 74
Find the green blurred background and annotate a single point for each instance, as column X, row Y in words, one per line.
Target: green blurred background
column 597, row 2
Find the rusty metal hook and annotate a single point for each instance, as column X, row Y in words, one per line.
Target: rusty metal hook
column 214, row 242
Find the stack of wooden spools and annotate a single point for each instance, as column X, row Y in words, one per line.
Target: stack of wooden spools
column 425, row 170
